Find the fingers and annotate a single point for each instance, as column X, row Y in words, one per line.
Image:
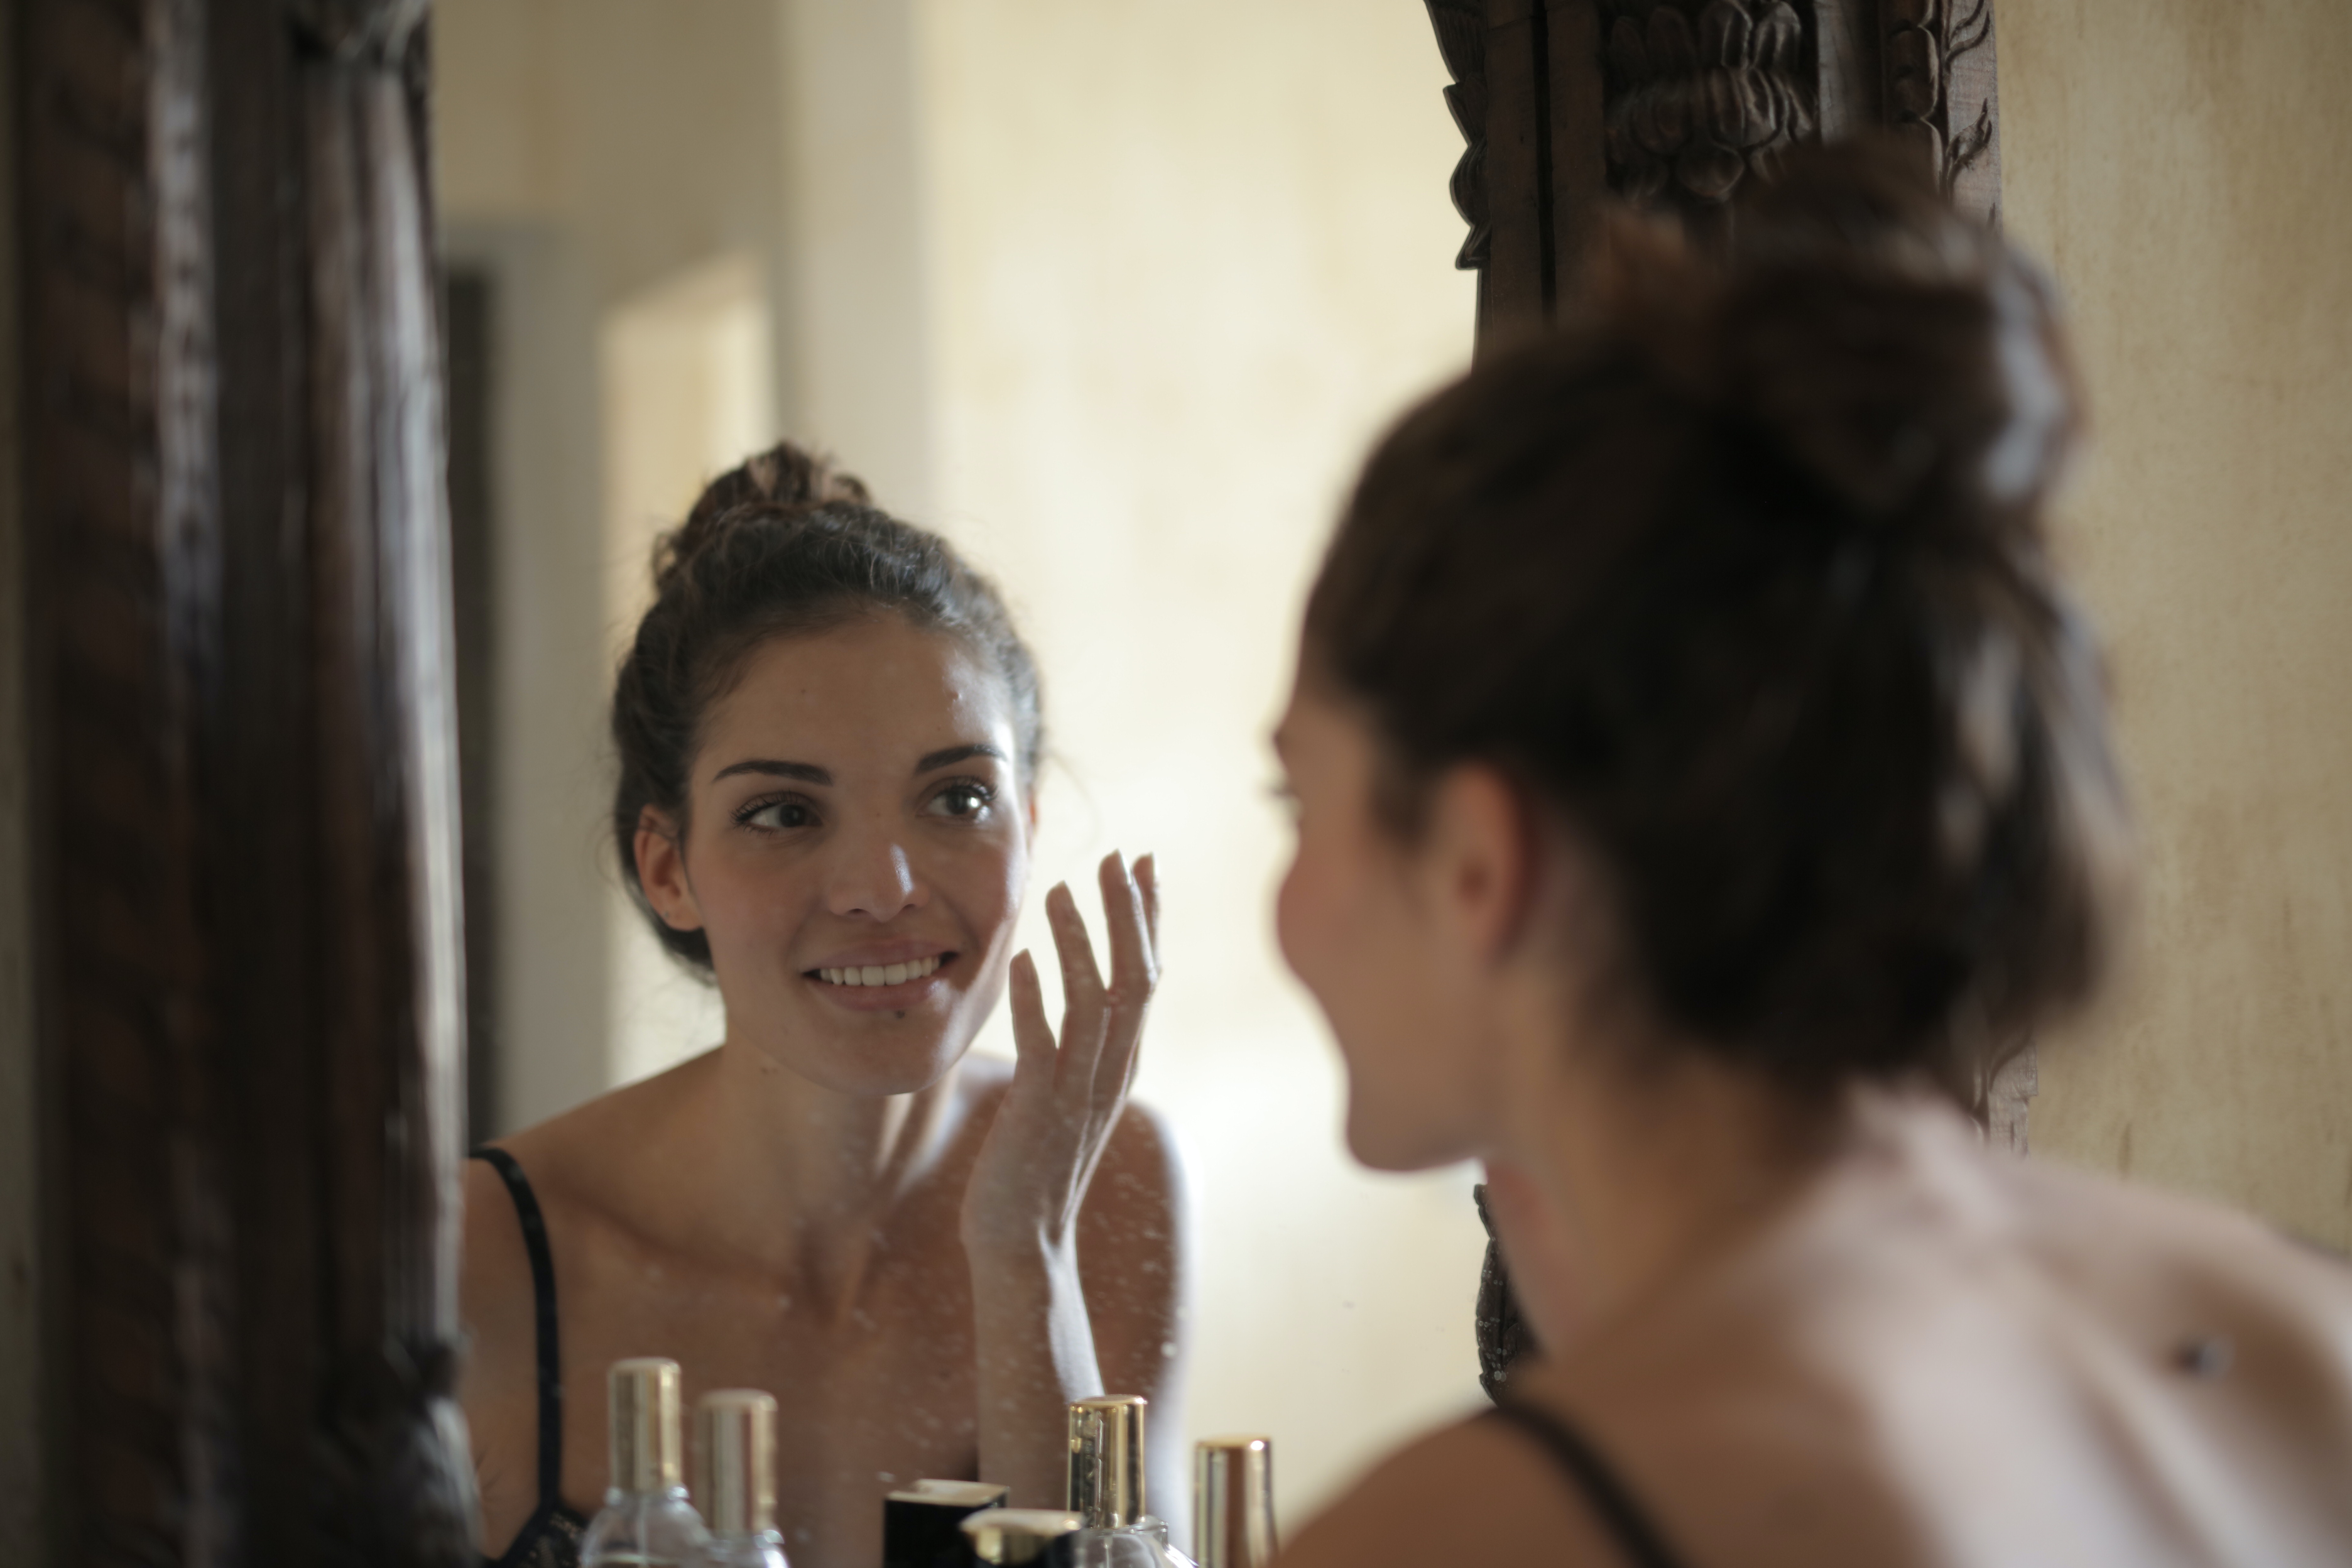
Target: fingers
column 1133, row 976
column 1083, row 1007
column 1102, row 1024
column 1147, row 877
column 1081, row 979
column 1130, row 947
column 1032, row 1037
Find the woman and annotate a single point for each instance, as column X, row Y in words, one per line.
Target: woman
column 829, row 735
column 1699, row 764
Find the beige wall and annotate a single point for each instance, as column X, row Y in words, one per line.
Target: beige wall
column 1188, row 257
column 2180, row 164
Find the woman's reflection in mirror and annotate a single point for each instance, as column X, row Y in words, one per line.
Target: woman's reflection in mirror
column 1695, row 751
column 828, row 733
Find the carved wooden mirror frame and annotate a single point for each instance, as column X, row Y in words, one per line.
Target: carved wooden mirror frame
column 1673, row 104
column 243, row 914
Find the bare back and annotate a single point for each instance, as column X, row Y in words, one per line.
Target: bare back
column 1934, row 1356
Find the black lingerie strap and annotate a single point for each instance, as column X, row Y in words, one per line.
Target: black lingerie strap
column 542, row 1292
column 1624, row 1518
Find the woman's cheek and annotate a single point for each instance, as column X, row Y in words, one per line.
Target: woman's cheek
column 1309, row 925
column 1290, row 919
column 985, row 883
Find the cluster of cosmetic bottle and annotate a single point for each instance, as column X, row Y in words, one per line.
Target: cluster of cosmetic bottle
column 649, row 1518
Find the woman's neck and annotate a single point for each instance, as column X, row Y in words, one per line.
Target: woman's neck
column 795, row 1177
column 1624, row 1162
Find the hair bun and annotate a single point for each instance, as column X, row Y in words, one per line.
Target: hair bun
column 783, row 479
column 1892, row 348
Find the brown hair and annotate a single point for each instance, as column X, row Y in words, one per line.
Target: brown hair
column 783, row 546
column 1744, row 571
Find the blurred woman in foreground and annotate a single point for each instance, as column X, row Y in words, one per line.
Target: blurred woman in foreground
column 1700, row 769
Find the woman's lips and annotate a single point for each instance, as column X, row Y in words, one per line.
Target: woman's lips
column 850, row 987
column 882, row 974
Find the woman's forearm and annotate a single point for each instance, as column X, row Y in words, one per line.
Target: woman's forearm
column 1037, row 1354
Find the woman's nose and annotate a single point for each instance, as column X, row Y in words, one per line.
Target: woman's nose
column 872, row 875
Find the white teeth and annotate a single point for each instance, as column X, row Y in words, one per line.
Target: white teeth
column 881, row 974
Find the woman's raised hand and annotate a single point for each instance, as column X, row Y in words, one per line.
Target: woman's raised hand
column 1030, row 1176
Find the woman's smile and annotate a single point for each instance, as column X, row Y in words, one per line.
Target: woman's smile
column 879, row 973
column 869, row 983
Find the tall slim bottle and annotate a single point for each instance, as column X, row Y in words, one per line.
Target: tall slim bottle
column 1232, row 1502
column 735, row 1477
column 1107, row 1491
column 647, row 1519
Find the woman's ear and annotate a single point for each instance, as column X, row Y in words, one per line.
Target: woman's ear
column 661, row 871
column 1481, row 846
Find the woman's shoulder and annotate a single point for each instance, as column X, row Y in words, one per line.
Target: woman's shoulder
column 2217, row 1306
column 579, row 1154
column 568, row 1170
column 1927, row 1214
column 1946, row 1355
column 2113, row 1237
column 1478, row 1491
column 1946, row 1327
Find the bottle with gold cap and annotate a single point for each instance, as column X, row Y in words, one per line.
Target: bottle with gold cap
column 735, row 1477
column 1232, row 1502
column 647, row 1519
column 1106, row 1491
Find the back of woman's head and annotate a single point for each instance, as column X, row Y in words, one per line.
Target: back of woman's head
column 1743, row 573
column 785, row 545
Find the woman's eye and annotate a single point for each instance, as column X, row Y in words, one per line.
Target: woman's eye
column 963, row 800
column 779, row 815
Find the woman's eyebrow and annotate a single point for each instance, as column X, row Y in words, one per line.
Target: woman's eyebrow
column 807, row 772
column 954, row 754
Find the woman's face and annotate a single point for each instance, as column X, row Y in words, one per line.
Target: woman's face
column 1362, row 923
column 857, row 850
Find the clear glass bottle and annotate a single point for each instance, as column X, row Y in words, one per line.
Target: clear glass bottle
column 735, row 1477
column 1233, row 1501
column 647, row 1519
column 1106, row 1491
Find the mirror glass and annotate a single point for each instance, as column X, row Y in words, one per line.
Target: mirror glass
column 1112, row 296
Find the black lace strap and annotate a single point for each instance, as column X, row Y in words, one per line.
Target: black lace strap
column 542, row 1292
column 1635, row 1535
